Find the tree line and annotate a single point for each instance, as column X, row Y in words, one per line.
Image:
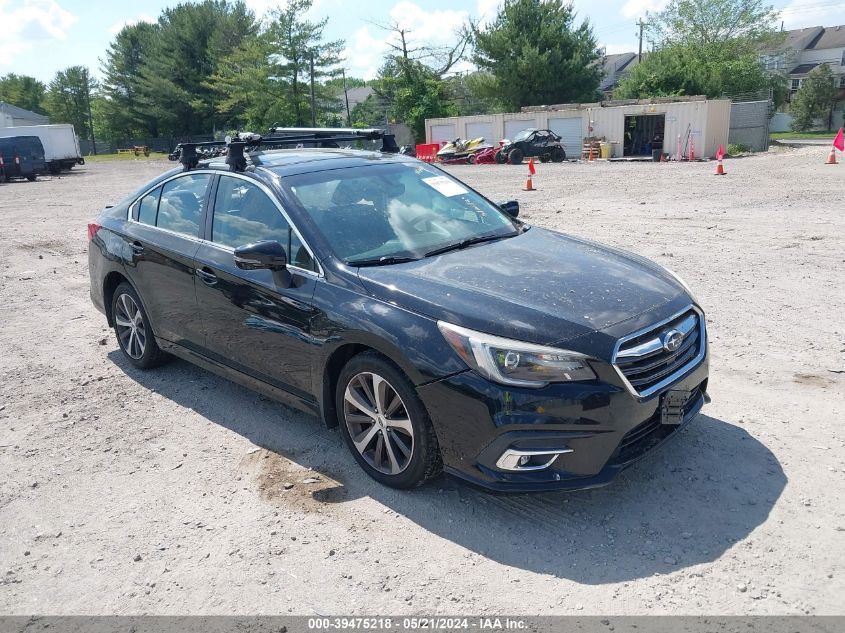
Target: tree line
column 213, row 66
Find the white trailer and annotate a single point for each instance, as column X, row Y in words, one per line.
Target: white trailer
column 61, row 147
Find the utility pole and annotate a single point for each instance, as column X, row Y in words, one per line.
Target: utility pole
column 90, row 116
column 313, row 102
column 346, row 97
column 640, row 53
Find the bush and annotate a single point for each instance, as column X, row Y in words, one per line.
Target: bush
column 739, row 148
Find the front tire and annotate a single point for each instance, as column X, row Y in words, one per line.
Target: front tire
column 515, row 156
column 133, row 331
column 384, row 423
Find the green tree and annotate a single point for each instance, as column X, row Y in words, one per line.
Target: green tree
column 538, row 55
column 250, row 96
column 371, row 112
column 24, row 92
column 69, row 99
column 297, row 43
column 476, row 93
column 190, row 43
column 266, row 80
column 411, row 84
column 413, row 93
column 712, row 22
column 120, row 114
column 708, row 47
column 814, row 100
column 679, row 69
column 420, row 96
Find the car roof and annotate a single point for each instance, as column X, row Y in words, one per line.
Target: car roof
column 289, row 162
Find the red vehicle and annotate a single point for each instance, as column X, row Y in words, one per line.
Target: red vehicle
column 485, row 156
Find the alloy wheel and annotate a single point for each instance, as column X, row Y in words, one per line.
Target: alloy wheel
column 378, row 423
column 129, row 323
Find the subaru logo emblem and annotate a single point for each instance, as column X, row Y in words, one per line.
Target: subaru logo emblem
column 672, row 340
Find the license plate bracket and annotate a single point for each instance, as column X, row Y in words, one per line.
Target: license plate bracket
column 672, row 405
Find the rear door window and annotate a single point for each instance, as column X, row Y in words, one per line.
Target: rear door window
column 182, row 202
column 148, row 207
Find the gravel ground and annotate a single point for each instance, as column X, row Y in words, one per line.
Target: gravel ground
column 177, row 492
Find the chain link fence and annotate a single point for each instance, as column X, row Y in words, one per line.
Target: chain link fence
column 751, row 114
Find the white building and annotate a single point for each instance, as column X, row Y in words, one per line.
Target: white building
column 631, row 127
column 13, row 116
column 802, row 52
column 805, row 49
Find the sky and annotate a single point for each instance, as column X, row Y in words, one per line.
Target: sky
column 41, row 37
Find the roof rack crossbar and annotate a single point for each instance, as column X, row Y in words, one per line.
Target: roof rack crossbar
column 237, row 145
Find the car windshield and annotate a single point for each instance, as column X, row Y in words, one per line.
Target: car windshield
column 524, row 134
column 390, row 212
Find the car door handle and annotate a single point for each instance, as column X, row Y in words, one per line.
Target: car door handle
column 206, row 276
column 137, row 247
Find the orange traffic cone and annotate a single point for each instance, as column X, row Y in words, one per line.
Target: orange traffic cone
column 720, row 170
column 831, row 158
column 529, row 184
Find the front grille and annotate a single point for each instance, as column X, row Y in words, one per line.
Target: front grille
column 646, row 363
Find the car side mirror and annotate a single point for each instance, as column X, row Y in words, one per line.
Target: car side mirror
column 511, row 207
column 268, row 255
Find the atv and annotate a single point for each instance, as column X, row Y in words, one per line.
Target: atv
column 544, row 144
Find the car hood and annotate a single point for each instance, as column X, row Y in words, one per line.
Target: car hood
column 539, row 286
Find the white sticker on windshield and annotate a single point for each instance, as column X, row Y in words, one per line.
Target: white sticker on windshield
column 445, row 186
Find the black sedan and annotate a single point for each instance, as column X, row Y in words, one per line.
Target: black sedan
column 433, row 327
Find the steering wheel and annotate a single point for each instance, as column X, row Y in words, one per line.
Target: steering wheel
column 431, row 224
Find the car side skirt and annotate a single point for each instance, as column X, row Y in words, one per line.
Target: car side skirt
column 275, row 393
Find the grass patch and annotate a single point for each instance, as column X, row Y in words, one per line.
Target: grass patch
column 127, row 156
column 800, row 135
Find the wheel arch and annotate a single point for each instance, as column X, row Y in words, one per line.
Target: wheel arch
column 341, row 355
column 110, row 284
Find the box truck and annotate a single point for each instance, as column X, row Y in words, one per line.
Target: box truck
column 61, row 147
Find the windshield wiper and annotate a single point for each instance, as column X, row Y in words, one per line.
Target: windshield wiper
column 382, row 261
column 468, row 242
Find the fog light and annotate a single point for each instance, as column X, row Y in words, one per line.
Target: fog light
column 529, row 459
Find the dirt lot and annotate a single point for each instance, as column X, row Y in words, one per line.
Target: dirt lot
column 164, row 492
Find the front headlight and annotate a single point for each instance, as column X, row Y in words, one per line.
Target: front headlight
column 513, row 362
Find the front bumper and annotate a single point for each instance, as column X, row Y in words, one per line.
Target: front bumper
column 605, row 427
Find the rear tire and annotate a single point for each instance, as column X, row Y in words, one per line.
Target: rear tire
column 31, row 177
column 558, row 155
column 501, row 159
column 133, row 330
column 384, row 423
column 515, row 156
